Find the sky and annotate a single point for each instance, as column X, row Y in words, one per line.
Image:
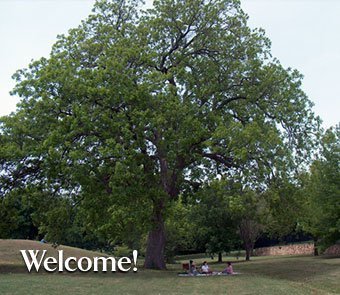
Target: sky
column 304, row 35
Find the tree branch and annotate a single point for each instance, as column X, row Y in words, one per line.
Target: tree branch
column 226, row 161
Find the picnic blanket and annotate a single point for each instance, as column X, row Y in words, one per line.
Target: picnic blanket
column 207, row 275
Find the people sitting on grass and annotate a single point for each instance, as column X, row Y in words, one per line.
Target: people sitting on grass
column 229, row 269
column 192, row 269
column 205, row 269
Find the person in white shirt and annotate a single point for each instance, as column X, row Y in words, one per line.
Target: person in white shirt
column 205, row 268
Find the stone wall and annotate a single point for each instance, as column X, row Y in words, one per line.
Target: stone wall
column 296, row 249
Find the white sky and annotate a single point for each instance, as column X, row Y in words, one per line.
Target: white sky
column 304, row 34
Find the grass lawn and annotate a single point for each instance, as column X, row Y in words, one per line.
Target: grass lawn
column 262, row 275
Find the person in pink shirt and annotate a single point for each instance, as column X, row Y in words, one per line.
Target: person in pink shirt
column 229, row 269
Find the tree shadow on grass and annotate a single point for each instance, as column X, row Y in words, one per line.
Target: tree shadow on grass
column 12, row 268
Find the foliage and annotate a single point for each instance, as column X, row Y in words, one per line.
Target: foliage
column 213, row 215
column 15, row 218
column 285, row 204
column 122, row 251
column 180, row 229
column 322, row 192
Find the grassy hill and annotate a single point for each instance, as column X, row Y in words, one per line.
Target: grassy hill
column 11, row 259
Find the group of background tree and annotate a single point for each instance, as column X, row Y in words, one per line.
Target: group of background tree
column 166, row 131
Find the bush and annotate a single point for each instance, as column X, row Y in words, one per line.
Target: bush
column 122, row 251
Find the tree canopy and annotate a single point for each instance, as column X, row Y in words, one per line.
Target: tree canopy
column 134, row 108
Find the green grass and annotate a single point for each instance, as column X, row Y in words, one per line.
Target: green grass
column 263, row 275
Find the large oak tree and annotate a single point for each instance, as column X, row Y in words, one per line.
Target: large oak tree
column 130, row 108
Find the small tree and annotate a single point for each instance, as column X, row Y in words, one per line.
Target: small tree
column 215, row 227
column 250, row 231
column 250, row 216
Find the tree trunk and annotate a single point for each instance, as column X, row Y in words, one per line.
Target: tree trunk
column 219, row 256
column 154, row 258
column 247, row 255
column 316, row 251
column 249, row 250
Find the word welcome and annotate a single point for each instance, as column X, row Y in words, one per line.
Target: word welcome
column 83, row 264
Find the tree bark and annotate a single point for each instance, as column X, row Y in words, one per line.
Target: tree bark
column 248, row 251
column 316, row 250
column 219, row 256
column 154, row 258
